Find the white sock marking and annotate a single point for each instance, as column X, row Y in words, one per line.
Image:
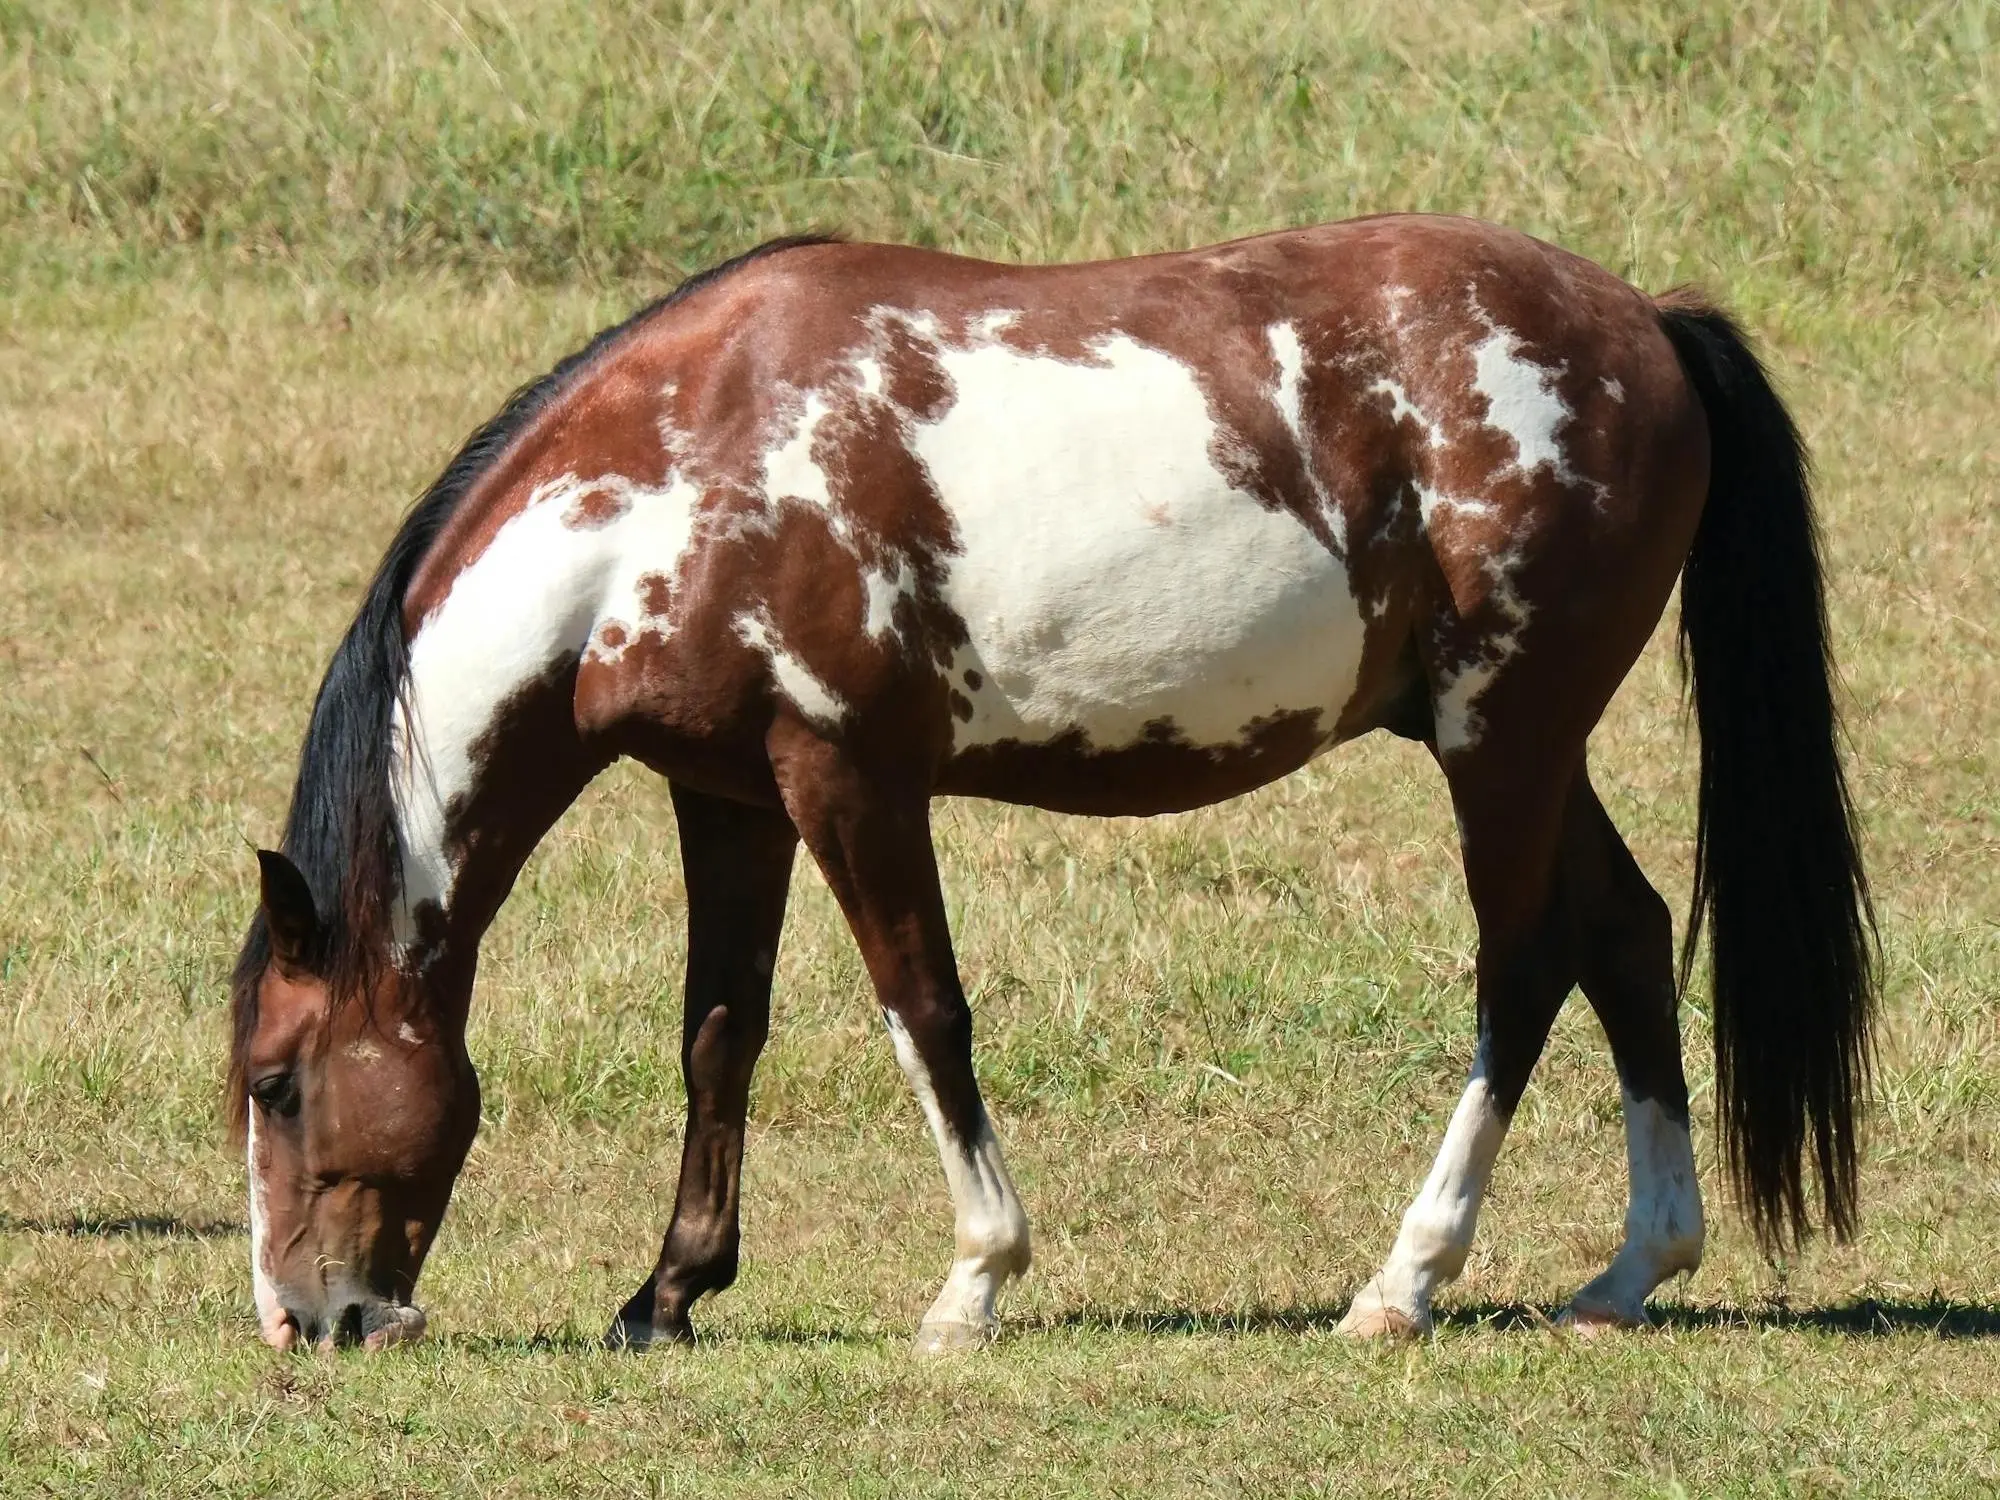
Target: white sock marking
column 1437, row 1229
column 990, row 1228
column 1663, row 1220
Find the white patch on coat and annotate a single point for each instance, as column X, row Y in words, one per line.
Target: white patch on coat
column 1402, row 408
column 1291, row 357
column 920, row 325
column 813, row 698
column 673, row 438
column 990, row 1228
column 262, row 1288
column 1457, row 723
column 539, row 594
column 989, row 326
column 1663, row 1221
column 1437, row 1229
column 1108, row 574
column 408, row 1033
column 1521, row 400
column 790, row 472
column 1523, row 403
column 1454, row 709
column 1433, row 503
column 880, row 593
column 1613, row 389
column 868, row 369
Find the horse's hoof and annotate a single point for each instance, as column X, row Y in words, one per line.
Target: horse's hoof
column 638, row 1337
column 1387, row 1324
column 1589, row 1319
column 954, row 1338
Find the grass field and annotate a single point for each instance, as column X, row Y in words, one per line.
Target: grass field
column 261, row 267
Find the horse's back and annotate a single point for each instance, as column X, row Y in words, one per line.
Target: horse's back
column 1167, row 523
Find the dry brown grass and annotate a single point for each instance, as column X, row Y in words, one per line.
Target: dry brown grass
column 222, row 388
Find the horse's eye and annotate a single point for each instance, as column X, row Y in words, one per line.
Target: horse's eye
column 278, row 1093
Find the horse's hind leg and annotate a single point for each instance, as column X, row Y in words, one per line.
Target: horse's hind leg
column 738, row 864
column 1510, row 812
column 873, row 843
column 1626, row 939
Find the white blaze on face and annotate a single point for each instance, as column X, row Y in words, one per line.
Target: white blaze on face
column 1437, row 1230
column 990, row 1227
column 269, row 1309
column 539, row 593
column 1109, row 575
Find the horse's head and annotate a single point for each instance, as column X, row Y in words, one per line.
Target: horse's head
column 359, row 1104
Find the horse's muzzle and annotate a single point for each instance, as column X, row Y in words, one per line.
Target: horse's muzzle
column 372, row 1322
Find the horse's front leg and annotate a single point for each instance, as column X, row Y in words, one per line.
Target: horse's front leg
column 873, row 842
column 738, row 864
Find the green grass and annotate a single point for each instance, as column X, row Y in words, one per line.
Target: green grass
column 261, row 268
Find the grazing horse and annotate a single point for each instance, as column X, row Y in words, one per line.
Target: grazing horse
column 835, row 529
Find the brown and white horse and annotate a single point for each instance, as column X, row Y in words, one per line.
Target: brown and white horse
column 835, row 529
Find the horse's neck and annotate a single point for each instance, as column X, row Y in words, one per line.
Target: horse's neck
column 488, row 753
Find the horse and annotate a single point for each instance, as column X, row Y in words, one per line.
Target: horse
column 835, row 529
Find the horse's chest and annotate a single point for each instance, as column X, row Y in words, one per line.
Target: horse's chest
column 1110, row 578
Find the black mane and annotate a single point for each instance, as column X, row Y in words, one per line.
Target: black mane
column 341, row 832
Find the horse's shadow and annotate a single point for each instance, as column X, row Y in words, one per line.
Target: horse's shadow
column 125, row 1227
column 1864, row 1317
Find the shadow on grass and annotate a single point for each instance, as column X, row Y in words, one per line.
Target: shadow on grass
column 127, row 1227
column 1866, row 1317
column 573, row 1341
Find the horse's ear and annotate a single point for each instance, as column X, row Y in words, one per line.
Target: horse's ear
column 288, row 907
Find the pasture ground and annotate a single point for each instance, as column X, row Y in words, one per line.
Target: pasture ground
column 260, row 270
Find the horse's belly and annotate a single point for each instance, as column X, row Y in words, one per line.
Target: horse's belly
column 1112, row 582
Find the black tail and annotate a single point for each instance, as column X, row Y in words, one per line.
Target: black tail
column 1778, row 873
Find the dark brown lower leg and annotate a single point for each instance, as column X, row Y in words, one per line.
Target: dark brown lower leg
column 738, row 863
column 1628, row 976
column 873, row 843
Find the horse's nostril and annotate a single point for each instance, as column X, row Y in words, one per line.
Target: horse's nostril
column 347, row 1327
